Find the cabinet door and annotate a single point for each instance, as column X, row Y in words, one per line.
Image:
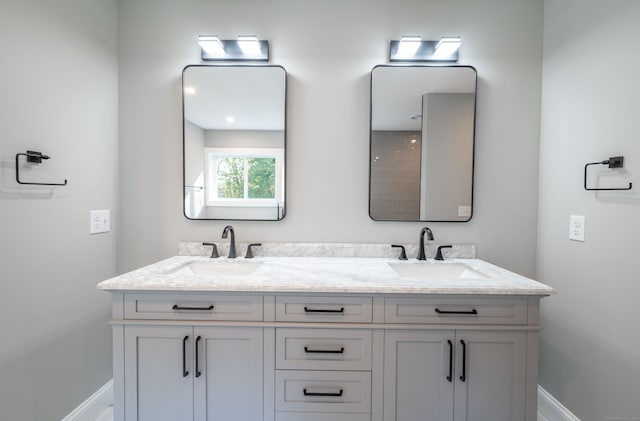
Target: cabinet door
column 229, row 374
column 158, row 380
column 494, row 373
column 418, row 383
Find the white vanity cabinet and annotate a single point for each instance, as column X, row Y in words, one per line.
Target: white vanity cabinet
column 176, row 367
column 324, row 373
column 454, row 375
column 475, row 371
column 193, row 373
column 278, row 350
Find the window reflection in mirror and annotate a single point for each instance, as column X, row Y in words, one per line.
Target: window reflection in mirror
column 422, row 143
column 234, row 142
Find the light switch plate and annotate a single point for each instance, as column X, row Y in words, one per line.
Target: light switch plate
column 576, row 227
column 99, row 221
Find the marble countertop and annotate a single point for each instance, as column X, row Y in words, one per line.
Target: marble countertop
column 322, row 275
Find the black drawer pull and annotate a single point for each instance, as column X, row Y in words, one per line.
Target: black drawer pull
column 474, row 311
column 324, row 351
column 464, row 361
column 450, row 376
column 337, row 394
column 185, row 372
column 198, row 372
column 177, row 307
column 324, row 310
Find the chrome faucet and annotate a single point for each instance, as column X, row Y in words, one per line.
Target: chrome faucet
column 232, row 242
column 424, row 230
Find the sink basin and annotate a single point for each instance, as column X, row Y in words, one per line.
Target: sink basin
column 435, row 270
column 217, row 268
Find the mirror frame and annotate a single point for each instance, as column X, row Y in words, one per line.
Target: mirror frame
column 473, row 146
column 184, row 167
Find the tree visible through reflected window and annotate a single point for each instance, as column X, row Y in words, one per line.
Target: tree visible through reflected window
column 257, row 174
column 262, row 178
column 243, row 177
column 230, row 178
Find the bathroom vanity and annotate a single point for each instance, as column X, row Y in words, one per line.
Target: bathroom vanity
column 324, row 338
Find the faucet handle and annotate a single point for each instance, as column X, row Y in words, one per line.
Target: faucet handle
column 439, row 252
column 403, row 253
column 249, row 253
column 214, row 251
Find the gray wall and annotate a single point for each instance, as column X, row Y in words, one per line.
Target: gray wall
column 395, row 175
column 591, row 340
column 245, row 138
column 59, row 96
column 328, row 118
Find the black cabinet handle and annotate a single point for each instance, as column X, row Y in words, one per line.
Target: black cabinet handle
column 185, row 373
column 177, row 307
column 450, row 376
column 337, row 394
column 464, row 361
column 324, row 351
column 323, row 310
column 198, row 373
column 474, row 311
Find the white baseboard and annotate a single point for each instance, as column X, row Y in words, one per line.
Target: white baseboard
column 91, row 409
column 551, row 409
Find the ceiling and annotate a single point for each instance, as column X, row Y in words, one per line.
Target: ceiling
column 396, row 92
column 253, row 95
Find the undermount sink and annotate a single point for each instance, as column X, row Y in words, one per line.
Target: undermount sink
column 217, row 268
column 435, row 270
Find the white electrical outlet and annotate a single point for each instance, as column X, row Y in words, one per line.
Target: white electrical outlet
column 99, row 221
column 576, row 227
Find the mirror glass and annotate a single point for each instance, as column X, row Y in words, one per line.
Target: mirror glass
column 234, row 142
column 422, row 141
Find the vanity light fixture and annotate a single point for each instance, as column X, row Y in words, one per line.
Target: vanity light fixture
column 244, row 48
column 414, row 49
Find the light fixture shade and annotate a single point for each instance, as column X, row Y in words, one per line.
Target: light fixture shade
column 409, row 45
column 211, row 44
column 448, row 46
column 245, row 48
column 249, row 45
column 414, row 49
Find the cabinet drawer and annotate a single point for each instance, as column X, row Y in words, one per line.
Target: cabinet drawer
column 323, row 349
column 451, row 310
column 324, row 309
column 323, row 391
column 193, row 307
column 306, row 416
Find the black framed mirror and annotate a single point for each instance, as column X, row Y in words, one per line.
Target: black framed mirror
column 422, row 143
column 234, row 142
